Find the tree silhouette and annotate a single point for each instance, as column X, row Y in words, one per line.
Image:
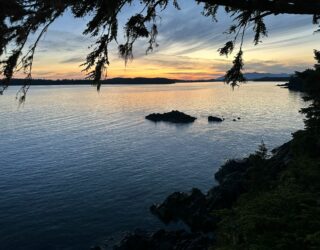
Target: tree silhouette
column 19, row 19
column 317, row 58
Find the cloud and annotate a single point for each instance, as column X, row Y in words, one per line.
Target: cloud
column 61, row 41
column 42, row 73
column 188, row 46
column 261, row 66
column 77, row 59
column 192, row 76
column 274, row 67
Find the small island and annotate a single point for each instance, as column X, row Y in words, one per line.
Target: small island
column 215, row 119
column 174, row 116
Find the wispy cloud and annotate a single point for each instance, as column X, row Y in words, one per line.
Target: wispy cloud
column 77, row 59
column 188, row 47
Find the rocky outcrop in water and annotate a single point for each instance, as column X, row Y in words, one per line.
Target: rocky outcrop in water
column 215, row 119
column 195, row 208
column 174, row 117
column 191, row 208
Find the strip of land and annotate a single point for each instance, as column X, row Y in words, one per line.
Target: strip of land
column 264, row 77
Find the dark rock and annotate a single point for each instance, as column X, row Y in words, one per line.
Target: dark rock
column 224, row 195
column 239, row 118
column 134, row 241
column 195, row 208
column 231, row 167
column 231, row 184
column 174, row 116
column 191, row 208
column 163, row 240
column 234, row 120
column 215, row 119
column 283, row 85
column 96, row 248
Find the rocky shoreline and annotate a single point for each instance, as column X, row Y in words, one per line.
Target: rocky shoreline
column 165, row 240
column 197, row 210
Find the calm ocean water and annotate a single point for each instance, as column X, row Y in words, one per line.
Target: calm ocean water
column 78, row 167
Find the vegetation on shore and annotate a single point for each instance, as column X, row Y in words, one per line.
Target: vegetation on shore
column 280, row 208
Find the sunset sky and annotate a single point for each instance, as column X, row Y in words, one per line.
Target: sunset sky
column 188, row 47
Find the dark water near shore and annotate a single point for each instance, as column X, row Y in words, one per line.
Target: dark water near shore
column 77, row 167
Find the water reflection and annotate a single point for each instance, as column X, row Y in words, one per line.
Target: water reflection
column 77, row 166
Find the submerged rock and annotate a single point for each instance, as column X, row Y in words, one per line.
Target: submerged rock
column 163, row 240
column 174, row 116
column 215, row 119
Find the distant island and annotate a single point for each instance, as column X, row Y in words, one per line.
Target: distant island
column 272, row 79
column 137, row 80
column 265, row 77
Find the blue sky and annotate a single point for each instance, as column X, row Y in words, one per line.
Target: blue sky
column 188, row 46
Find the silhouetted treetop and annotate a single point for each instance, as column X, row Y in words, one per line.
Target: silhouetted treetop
column 317, row 58
column 19, row 19
column 310, row 7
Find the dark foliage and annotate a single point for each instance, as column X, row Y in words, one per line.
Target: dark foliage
column 308, row 81
column 235, row 75
column 280, row 207
column 317, row 58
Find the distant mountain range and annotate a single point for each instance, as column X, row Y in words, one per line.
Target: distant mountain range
column 158, row 80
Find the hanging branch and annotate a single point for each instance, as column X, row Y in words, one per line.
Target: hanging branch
column 19, row 19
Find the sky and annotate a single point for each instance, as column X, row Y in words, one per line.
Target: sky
column 188, row 44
